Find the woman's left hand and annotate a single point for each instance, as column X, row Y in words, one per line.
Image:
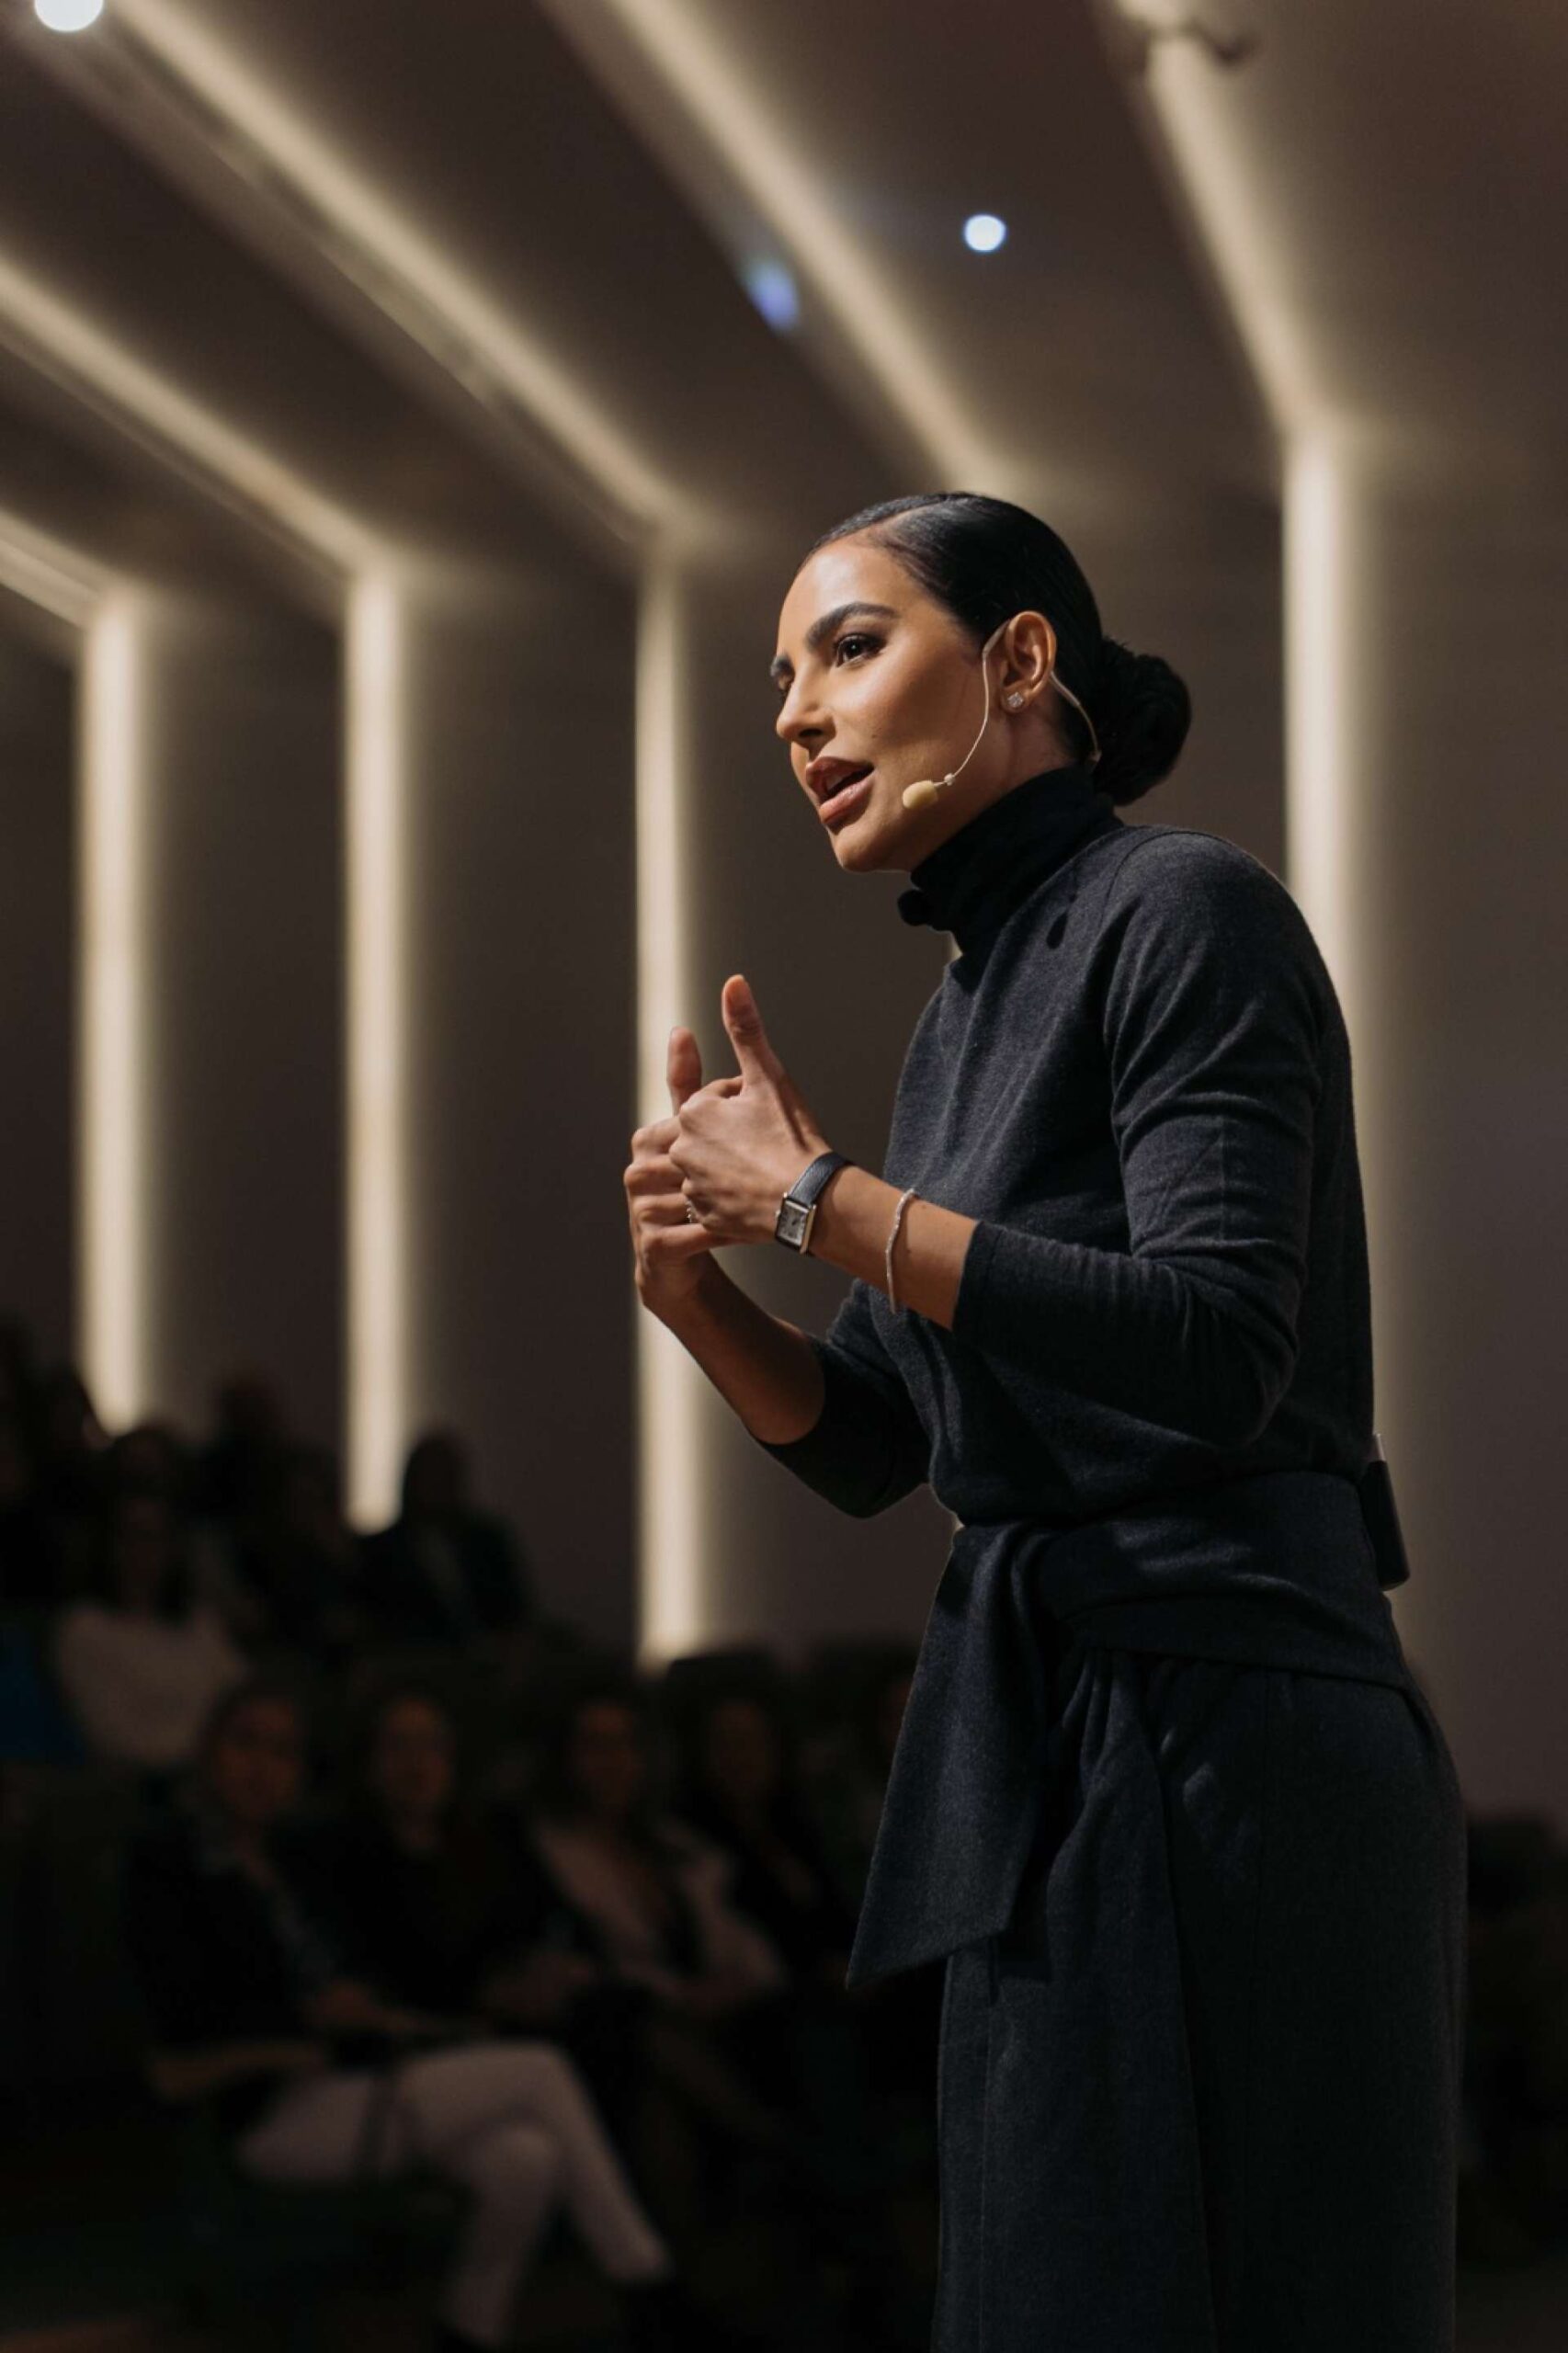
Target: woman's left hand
column 743, row 1142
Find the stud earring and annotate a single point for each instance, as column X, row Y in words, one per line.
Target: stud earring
column 1011, row 701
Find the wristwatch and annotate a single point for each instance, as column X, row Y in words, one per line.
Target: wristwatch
column 798, row 1207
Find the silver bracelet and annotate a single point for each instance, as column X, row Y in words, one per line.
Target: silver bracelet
column 908, row 1195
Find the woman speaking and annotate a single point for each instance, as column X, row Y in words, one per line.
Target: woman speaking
column 1166, row 1796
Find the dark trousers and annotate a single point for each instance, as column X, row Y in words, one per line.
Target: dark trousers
column 1203, row 2095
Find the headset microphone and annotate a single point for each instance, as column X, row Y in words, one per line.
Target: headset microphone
column 921, row 795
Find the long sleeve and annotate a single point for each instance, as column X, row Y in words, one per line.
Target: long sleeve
column 867, row 1447
column 1211, row 1029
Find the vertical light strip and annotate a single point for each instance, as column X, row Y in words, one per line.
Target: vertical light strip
column 1333, row 803
column 376, row 1241
column 1319, row 737
column 111, row 1175
column 1204, row 121
column 676, row 1582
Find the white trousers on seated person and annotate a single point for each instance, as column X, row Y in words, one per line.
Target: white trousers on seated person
column 512, row 2122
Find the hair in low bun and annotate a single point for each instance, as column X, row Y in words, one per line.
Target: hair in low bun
column 1141, row 711
column 985, row 560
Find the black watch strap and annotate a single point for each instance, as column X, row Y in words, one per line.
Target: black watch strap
column 798, row 1207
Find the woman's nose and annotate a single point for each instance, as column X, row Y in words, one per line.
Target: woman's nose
column 796, row 722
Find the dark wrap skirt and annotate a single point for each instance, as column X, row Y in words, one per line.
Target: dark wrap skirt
column 1199, row 2080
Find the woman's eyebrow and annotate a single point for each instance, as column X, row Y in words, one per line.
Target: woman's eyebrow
column 825, row 626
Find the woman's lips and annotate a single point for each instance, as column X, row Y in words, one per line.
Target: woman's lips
column 847, row 797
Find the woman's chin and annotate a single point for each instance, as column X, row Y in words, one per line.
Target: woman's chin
column 857, row 839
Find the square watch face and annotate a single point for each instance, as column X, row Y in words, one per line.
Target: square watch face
column 791, row 1224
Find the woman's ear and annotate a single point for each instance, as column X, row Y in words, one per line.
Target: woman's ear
column 1030, row 648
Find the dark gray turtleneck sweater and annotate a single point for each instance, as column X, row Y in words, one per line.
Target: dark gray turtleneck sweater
column 1156, row 1394
column 1136, row 1077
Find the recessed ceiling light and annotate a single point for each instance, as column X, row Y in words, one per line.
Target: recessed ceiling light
column 68, row 15
column 982, row 232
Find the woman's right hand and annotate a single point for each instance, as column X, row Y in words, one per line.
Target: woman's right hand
column 655, row 1204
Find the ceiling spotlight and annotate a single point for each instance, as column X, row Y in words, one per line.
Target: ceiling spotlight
column 982, row 232
column 68, row 15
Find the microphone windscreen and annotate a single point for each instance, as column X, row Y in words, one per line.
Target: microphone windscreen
column 921, row 795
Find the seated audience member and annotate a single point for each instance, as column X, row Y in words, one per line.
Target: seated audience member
column 313, row 2077
column 295, row 1559
column 441, row 1905
column 735, row 2055
column 235, row 1469
column 848, row 1773
column 656, row 1895
column 442, row 1572
column 738, row 1785
column 653, row 1897
column 151, row 1459
column 900, row 2015
column 140, row 1664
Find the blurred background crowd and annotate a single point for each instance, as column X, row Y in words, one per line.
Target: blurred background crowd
column 289, row 1810
column 286, row 1804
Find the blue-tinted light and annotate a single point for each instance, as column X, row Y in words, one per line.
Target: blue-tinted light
column 773, row 290
column 982, row 232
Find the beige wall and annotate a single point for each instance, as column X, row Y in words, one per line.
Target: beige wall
column 1460, row 1045
column 242, row 1073
column 521, row 943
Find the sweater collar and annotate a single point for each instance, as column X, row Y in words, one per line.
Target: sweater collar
column 972, row 883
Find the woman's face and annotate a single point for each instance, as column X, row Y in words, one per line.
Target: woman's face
column 608, row 1767
column 256, row 1766
column 741, row 1751
column 413, row 1761
column 899, row 689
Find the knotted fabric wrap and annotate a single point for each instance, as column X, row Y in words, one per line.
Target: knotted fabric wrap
column 1275, row 1570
